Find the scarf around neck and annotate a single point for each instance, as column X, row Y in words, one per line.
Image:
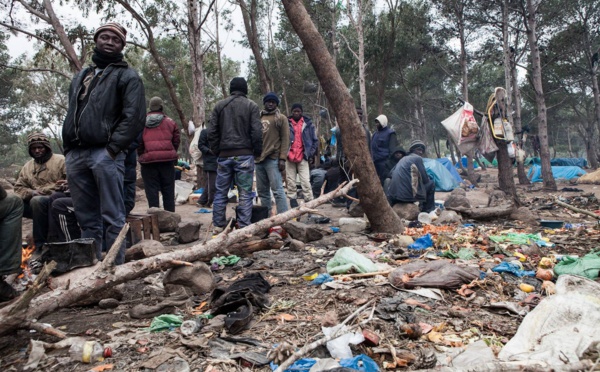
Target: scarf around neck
column 102, row 59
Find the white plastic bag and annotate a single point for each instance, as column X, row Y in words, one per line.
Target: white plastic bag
column 182, row 191
column 462, row 128
column 339, row 347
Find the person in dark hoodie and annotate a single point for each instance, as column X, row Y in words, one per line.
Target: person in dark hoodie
column 410, row 182
column 235, row 136
column 106, row 113
column 209, row 168
column 383, row 142
column 397, row 154
column 157, row 153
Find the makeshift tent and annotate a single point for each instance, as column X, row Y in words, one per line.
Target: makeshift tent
column 451, row 168
column 444, row 181
column 560, row 162
column 593, row 178
column 559, row 173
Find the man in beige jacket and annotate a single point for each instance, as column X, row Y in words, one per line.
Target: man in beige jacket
column 38, row 179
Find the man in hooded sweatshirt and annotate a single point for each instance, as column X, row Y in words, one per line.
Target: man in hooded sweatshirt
column 106, row 113
column 39, row 178
column 157, row 154
column 382, row 145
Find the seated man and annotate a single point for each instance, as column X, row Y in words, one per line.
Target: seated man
column 38, row 179
column 410, row 181
column 11, row 213
column 397, row 154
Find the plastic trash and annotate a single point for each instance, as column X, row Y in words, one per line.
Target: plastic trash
column 334, row 229
column 203, row 210
column 301, row 365
column 346, row 259
column 320, row 279
column 514, row 268
column 182, row 191
column 198, row 191
column 339, row 347
column 422, row 243
column 164, row 322
column 189, row 327
column 360, row 363
column 587, row 266
column 425, row 218
column 225, row 260
column 466, row 254
column 86, row 351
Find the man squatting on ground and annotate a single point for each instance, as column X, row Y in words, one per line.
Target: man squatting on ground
column 106, row 112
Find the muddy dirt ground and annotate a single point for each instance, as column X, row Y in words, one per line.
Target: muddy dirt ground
column 298, row 310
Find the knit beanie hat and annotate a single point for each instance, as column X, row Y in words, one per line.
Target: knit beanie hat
column 156, row 104
column 114, row 27
column 416, row 143
column 38, row 138
column 271, row 96
column 238, row 84
column 297, row 105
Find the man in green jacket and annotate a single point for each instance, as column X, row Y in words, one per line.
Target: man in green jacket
column 270, row 164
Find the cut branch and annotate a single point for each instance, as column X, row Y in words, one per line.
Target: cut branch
column 86, row 282
column 578, row 210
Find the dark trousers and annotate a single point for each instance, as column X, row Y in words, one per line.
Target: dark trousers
column 160, row 177
column 201, row 177
column 37, row 209
column 11, row 213
column 426, row 204
column 381, row 169
column 63, row 222
column 208, row 196
column 129, row 179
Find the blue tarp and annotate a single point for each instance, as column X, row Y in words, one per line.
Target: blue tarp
column 560, row 162
column 564, row 173
column 444, row 181
column 463, row 160
column 451, row 168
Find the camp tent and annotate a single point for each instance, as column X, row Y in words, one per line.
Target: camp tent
column 451, row 168
column 444, row 180
column 559, row 173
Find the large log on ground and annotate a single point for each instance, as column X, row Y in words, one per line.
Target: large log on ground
column 485, row 213
column 88, row 281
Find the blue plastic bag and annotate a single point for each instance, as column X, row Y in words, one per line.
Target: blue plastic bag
column 422, row 243
column 360, row 363
column 321, row 278
column 302, row 365
column 203, row 210
column 513, row 268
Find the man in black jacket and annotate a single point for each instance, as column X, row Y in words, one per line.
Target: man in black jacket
column 106, row 113
column 235, row 136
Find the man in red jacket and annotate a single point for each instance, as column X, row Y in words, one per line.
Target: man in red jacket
column 158, row 152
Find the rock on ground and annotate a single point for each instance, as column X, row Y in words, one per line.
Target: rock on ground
column 498, row 198
column 167, row 221
column 198, row 278
column 457, row 198
column 406, row 211
column 448, row 218
column 189, row 231
column 524, row 214
column 303, row 232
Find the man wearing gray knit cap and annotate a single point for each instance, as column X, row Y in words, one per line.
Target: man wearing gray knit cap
column 107, row 111
column 410, row 182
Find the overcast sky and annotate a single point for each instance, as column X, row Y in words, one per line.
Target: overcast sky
column 232, row 49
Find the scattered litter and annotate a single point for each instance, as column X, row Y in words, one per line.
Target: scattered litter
column 513, row 267
column 225, row 260
column 347, row 259
column 321, row 278
column 203, row 210
column 165, row 322
column 339, row 347
column 587, row 266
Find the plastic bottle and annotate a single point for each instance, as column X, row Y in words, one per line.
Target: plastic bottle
column 508, row 131
column 87, row 351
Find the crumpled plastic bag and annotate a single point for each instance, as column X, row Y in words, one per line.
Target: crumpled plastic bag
column 422, row 243
column 436, row 274
column 562, row 327
column 514, row 268
column 164, row 322
column 346, row 259
column 587, row 266
column 360, row 363
column 225, row 260
column 339, row 347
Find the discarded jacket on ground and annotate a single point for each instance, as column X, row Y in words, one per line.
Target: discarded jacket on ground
column 436, row 274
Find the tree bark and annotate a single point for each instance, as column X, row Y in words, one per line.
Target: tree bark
column 74, row 62
column 592, row 152
column 540, row 100
column 357, row 24
column 222, row 83
column 522, row 175
column 197, row 57
column 82, row 283
column 374, row 201
column 250, row 19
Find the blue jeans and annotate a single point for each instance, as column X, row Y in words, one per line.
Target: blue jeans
column 96, row 183
column 268, row 178
column 239, row 169
column 38, row 208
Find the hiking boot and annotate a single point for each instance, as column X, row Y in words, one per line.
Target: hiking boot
column 217, row 230
column 7, row 292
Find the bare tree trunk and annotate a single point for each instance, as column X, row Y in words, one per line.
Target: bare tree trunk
column 516, row 91
column 540, row 100
column 147, row 28
column 222, row 82
column 74, row 62
column 420, row 114
column 197, row 57
column 378, row 210
column 388, row 53
column 250, row 16
column 360, row 57
column 506, row 179
column 278, row 64
column 592, row 152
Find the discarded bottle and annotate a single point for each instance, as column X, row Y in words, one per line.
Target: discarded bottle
column 189, row 327
column 87, row 351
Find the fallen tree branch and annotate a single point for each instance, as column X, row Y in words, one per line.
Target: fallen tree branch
column 46, row 329
column 88, row 281
column 109, row 261
column 578, row 210
column 485, row 213
column 363, row 275
column 310, row 347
